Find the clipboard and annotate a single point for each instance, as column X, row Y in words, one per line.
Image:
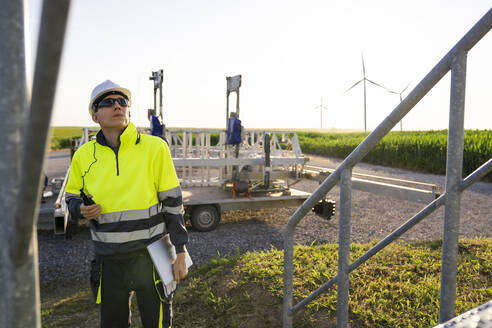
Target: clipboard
column 163, row 254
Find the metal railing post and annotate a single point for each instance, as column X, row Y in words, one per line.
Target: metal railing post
column 344, row 247
column 13, row 105
column 454, row 166
column 288, row 279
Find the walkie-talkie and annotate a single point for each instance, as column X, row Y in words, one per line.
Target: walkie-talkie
column 87, row 201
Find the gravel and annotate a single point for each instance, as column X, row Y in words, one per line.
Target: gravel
column 373, row 217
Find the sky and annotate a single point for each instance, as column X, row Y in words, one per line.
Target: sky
column 291, row 54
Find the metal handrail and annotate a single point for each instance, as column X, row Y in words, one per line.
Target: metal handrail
column 454, row 60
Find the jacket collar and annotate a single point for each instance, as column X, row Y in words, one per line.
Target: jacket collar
column 129, row 136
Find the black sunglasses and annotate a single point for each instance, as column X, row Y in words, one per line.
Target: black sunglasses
column 109, row 102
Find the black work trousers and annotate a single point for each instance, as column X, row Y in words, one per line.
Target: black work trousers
column 123, row 275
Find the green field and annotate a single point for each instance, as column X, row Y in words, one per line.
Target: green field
column 422, row 151
column 399, row 287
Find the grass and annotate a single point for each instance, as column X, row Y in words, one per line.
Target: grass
column 399, row 287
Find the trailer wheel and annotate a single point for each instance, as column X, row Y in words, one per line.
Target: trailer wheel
column 205, row 218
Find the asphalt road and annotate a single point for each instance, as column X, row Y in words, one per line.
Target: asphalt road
column 57, row 163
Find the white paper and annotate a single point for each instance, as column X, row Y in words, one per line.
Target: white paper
column 163, row 254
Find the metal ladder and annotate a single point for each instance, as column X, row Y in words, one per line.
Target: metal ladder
column 454, row 60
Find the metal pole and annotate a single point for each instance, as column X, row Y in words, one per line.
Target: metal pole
column 288, row 283
column 161, row 79
column 268, row 168
column 365, row 120
column 454, row 167
column 155, row 98
column 237, row 103
column 13, row 105
column 401, row 121
column 479, row 173
column 227, row 108
column 24, row 241
column 51, row 35
column 344, row 247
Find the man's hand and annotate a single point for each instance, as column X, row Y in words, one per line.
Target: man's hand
column 90, row 211
column 180, row 270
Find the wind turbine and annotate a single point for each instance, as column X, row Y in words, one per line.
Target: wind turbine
column 401, row 98
column 364, row 80
column 321, row 107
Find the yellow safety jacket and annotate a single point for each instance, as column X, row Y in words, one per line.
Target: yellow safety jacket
column 136, row 186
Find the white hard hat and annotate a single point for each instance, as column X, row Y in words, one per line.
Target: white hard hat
column 104, row 89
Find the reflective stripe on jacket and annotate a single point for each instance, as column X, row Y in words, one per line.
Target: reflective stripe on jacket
column 136, row 186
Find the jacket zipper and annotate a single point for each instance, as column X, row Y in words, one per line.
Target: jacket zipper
column 117, row 165
column 116, row 151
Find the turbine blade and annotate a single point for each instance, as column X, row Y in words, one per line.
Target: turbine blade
column 405, row 88
column 363, row 66
column 354, row 85
column 379, row 85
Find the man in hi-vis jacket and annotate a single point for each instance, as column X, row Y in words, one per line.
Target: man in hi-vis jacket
column 124, row 182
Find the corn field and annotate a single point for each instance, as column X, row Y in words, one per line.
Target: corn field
column 422, row 151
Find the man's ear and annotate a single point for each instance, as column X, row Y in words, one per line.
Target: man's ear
column 94, row 118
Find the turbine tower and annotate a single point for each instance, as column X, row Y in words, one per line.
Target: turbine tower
column 365, row 80
column 321, row 107
column 401, row 98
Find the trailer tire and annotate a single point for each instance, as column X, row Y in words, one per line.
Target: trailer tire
column 205, row 218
